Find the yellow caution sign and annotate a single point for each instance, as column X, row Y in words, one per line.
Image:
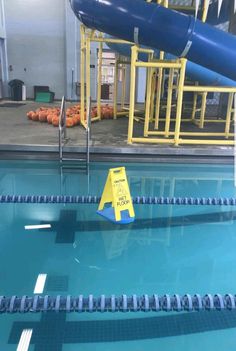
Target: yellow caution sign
column 117, row 193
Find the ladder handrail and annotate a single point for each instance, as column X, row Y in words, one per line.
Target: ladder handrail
column 62, row 127
column 63, row 132
column 88, row 132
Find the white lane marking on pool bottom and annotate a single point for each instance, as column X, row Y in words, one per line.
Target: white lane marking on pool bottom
column 38, row 226
column 25, row 340
column 40, row 283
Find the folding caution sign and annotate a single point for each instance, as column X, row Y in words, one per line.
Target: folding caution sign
column 116, row 193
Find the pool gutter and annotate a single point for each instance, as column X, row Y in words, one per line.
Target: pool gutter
column 200, row 154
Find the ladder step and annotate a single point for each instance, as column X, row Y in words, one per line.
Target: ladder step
column 73, row 163
column 73, row 159
column 73, row 167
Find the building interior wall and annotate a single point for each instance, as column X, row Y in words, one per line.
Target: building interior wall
column 43, row 47
column 3, row 53
column 36, row 43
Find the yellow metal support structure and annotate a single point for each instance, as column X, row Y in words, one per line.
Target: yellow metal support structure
column 116, row 78
column 134, row 56
column 165, row 64
column 205, row 10
column 169, row 102
column 176, row 137
column 194, row 110
column 164, row 3
column 122, row 65
column 153, row 91
column 123, row 91
column 229, row 114
column 87, row 37
column 99, row 81
column 209, row 89
column 203, row 110
column 148, row 96
column 180, row 100
column 82, row 73
column 159, row 91
column 88, row 89
column 110, row 40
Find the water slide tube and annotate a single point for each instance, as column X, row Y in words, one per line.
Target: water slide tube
column 193, row 71
column 157, row 27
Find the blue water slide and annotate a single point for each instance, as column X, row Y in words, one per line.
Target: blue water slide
column 193, row 71
column 154, row 26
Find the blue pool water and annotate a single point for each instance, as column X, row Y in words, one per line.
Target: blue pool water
column 168, row 249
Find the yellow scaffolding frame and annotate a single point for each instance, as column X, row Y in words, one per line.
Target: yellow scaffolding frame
column 180, row 65
column 123, row 90
column 87, row 37
column 120, row 64
column 160, row 85
column 82, row 74
column 154, row 92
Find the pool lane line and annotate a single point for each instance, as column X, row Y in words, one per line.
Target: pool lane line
column 25, row 339
column 113, row 303
column 40, row 284
column 138, row 200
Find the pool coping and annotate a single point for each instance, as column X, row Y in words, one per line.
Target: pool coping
column 133, row 153
column 133, row 149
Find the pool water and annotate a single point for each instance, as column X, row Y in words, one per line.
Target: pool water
column 168, row 249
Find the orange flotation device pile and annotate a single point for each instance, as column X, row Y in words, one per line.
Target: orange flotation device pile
column 51, row 115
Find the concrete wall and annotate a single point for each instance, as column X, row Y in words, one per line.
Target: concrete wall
column 2, row 21
column 43, row 46
column 72, row 53
column 3, row 54
column 36, row 43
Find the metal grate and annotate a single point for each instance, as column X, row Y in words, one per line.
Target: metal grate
column 11, row 104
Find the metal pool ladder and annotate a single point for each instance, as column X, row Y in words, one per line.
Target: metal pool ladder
column 63, row 139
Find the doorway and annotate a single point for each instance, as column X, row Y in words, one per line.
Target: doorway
column 108, row 75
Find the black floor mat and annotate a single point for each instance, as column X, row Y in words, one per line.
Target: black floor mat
column 11, row 104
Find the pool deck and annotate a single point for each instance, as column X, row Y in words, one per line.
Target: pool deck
column 109, row 137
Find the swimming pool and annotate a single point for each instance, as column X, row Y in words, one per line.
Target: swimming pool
column 168, row 249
